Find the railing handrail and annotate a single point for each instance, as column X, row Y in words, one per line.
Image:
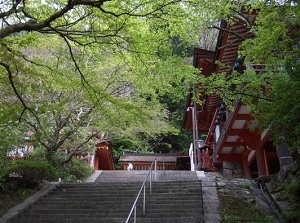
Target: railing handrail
column 138, row 195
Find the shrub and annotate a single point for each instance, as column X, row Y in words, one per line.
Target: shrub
column 294, row 190
column 75, row 170
column 2, row 183
column 291, row 216
column 246, row 184
column 31, row 171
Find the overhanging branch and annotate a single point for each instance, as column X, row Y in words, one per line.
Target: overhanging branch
column 11, row 81
column 33, row 25
column 242, row 37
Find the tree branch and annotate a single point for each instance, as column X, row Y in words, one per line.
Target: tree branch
column 11, row 81
column 12, row 10
column 140, row 15
column 26, row 59
column 229, row 31
column 78, row 147
column 33, row 25
column 252, row 96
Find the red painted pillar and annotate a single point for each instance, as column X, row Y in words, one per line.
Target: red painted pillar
column 96, row 162
column 261, row 161
column 206, row 160
column 245, row 163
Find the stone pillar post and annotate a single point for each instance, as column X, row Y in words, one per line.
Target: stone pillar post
column 284, row 155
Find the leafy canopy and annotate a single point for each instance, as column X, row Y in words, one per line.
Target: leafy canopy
column 70, row 70
column 277, row 47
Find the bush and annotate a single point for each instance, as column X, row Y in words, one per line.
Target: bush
column 75, row 171
column 291, row 216
column 2, row 183
column 31, row 172
column 294, row 190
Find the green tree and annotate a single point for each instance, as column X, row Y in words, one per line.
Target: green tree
column 71, row 68
column 277, row 47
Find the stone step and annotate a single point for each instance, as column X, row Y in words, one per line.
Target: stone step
column 116, row 206
column 70, row 220
column 166, row 191
column 172, row 184
column 95, row 198
column 176, row 198
column 87, row 209
column 165, row 211
column 102, row 188
column 129, row 189
column 100, row 184
column 139, row 175
column 94, row 201
column 177, row 191
column 113, row 220
column 116, row 213
column 170, row 220
column 122, row 176
column 99, row 189
column 91, row 195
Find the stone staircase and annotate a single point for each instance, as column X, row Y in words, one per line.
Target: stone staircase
column 174, row 201
column 176, row 198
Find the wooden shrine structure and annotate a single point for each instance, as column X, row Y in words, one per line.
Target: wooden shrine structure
column 143, row 161
column 231, row 143
column 103, row 156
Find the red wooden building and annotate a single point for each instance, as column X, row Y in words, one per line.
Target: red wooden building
column 103, row 159
column 100, row 159
column 143, row 161
column 231, row 143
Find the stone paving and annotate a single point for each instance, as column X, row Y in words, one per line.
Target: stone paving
column 210, row 198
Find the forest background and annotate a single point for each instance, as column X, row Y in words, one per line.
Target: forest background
column 74, row 71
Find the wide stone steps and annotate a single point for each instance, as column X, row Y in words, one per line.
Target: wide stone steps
column 122, row 176
column 72, row 220
column 110, row 198
column 116, row 220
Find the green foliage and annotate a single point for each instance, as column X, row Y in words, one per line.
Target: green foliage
column 293, row 190
column 31, row 171
column 275, row 90
column 14, row 197
column 291, row 216
column 235, row 209
column 247, row 184
column 74, row 171
column 2, row 182
column 122, row 145
column 292, row 195
column 107, row 67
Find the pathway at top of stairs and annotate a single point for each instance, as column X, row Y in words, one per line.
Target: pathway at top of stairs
column 140, row 175
column 177, row 197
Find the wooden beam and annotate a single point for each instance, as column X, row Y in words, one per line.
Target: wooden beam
column 271, row 154
column 230, row 157
column 239, row 132
column 246, row 117
column 246, row 165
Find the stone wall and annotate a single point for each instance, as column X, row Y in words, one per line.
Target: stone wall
column 232, row 169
